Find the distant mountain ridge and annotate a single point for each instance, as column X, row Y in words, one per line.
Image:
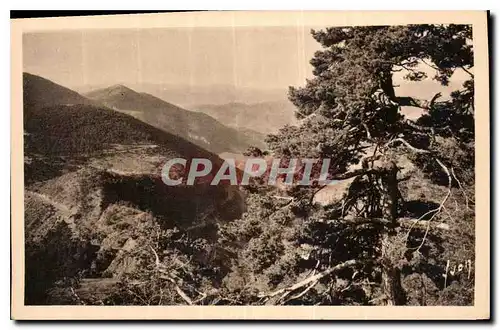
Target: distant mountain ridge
column 59, row 121
column 197, row 127
column 188, row 95
column 263, row 117
column 267, row 116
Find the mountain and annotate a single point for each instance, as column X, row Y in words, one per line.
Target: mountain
column 196, row 127
column 94, row 198
column 122, row 97
column 263, row 117
column 40, row 91
column 188, row 95
column 273, row 111
column 59, row 121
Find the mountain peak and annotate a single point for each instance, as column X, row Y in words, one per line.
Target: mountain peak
column 120, row 88
column 114, row 91
column 41, row 91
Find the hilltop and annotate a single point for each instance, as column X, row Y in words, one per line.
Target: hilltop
column 40, row 91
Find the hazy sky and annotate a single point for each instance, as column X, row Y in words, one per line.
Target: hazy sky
column 267, row 57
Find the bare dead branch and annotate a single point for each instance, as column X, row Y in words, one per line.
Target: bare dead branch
column 368, row 134
column 408, row 145
column 441, row 206
column 157, row 260
column 312, row 279
column 164, row 275
column 203, row 296
column 183, row 295
column 461, row 188
column 433, row 211
column 287, row 198
column 416, row 221
column 303, row 292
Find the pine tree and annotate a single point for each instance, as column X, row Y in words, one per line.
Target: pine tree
column 350, row 112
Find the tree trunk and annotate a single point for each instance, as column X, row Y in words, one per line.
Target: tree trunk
column 391, row 274
column 389, row 191
column 389, row 204
column 384, row 200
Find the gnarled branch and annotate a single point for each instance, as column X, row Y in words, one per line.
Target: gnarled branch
column 311, row 279
column 164, row 275
column 408, row 145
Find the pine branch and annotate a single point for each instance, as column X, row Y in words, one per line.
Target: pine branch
column 388, row 89
column 468, row 72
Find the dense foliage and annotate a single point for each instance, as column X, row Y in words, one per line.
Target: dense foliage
column 79, row 129
column 382, row 236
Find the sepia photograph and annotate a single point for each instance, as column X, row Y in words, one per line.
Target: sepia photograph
column 284, row 163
